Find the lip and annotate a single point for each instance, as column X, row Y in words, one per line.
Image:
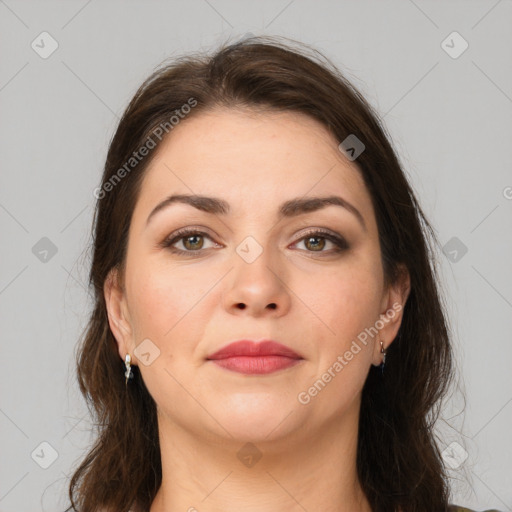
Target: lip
column 252, row 349
column 250, row 357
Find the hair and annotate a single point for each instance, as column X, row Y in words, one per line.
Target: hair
column 399, row 465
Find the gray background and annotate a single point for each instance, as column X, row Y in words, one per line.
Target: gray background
column 450, row 119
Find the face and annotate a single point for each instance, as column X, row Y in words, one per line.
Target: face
column 308, row 278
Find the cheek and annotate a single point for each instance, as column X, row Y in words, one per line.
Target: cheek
column 162, row 298
column 165, row 305
column 347, row 300
column 155, row 303
column 347, row 303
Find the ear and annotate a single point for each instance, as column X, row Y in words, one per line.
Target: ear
column 392, row 309
column 118, row 315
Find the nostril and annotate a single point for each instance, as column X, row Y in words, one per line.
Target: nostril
column 241, row 305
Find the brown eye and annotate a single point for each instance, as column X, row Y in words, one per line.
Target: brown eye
column 192, row 242
column 315, row 243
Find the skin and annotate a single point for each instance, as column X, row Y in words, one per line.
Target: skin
column 189, row 307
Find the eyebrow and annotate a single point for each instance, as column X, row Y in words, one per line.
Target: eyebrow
column 291, row 208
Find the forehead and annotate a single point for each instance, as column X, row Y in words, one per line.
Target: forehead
column 251, row 158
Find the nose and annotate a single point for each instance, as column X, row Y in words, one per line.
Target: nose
column 258, row 288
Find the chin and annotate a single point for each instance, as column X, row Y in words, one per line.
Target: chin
column 252, row 419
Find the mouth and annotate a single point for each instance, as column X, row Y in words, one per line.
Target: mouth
column 249, row 357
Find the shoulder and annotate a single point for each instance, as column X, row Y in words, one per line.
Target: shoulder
column 456, row 508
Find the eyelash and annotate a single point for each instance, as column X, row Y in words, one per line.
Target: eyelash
column 339, row 242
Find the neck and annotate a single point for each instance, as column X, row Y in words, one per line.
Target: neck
column 295, row 473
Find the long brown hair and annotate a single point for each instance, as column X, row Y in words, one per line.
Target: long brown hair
column 398, row 462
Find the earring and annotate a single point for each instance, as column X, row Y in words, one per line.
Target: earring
column 383, row 352
column 128, row 373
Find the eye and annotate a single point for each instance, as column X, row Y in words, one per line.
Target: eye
column 316, row 241
column 192, row 241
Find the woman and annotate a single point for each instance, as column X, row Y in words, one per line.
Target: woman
column 267, row 331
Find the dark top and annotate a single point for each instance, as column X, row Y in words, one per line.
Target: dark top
column 456, row 508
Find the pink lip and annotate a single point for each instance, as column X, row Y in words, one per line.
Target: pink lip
column 250, row 357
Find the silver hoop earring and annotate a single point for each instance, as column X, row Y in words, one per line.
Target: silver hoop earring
column 128, row 373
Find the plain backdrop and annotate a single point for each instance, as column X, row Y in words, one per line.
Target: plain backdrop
column 439, row 73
